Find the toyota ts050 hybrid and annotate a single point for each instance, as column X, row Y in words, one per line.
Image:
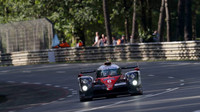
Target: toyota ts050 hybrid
column 109, row 82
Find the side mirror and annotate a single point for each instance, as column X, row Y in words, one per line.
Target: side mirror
column 80, row 75
column 98, row 74
column 137, row 69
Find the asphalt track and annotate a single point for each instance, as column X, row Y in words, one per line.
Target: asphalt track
column 168, row 87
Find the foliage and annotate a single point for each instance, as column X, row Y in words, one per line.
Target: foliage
column 75, row 18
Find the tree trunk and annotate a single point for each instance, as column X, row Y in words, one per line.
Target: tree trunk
column 161, row 21
column 143, row 12
column 194, row 22
column 80, row 32
column 180, row 21
column 127, row 29
column 195, row 29
column 149, row 17
column 133, row 34
column 126, row 25
column 107, row 21
column 188, row 20
column 82, row 36
column 167, row 20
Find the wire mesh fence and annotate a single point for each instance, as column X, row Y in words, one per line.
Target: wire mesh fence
column 26, row 36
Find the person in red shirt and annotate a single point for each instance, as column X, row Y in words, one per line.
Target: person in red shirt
column 64, row 44
column 79, row 43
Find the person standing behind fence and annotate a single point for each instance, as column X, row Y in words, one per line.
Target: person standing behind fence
column 123, row 39
column 103, row 38
column 155, row 36
column 106, row 41
column 79, row 43
column 96, row 39
column 114, row 41
column 64, row 44
column 100, row 42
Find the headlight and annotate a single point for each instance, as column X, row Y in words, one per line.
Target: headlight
column 84, row 88
column 135, row 82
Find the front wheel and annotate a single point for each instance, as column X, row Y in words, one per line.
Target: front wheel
column 139, row 92
column 111, row 96
column 85, row 99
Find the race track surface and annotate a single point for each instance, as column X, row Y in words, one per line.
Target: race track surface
column 168, row 87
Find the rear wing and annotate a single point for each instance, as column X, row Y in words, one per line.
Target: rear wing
column 130, row 67
column 85, row 72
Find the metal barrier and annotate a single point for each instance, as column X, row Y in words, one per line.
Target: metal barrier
column 189, row 50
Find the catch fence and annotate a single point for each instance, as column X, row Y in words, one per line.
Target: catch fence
column 26, row 36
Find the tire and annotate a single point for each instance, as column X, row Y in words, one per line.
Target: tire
column 85, row 99
column 111, row 96
column 137, row 93
column 140, row 93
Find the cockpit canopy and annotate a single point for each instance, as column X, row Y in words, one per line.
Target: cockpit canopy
column 105, row 70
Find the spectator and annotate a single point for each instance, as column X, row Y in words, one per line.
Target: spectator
column 118, row 41
column 64, row 44
column 114, row 41
column 123, row 39
column 106, row 41
column 79, row 43
column 155, row 36
column 55, row 41
column 103, row 38
column 96, row 39
column 101, row 42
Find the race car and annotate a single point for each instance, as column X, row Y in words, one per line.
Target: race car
column 109, row 82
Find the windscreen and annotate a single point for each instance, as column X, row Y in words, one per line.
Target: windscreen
column 111, row 72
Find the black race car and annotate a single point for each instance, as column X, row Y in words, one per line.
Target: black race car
column 109, row 82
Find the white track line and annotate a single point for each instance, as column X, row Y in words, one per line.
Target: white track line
column 196, row 111
column 69, row 96
column 61, row 72
column 38, row 83
column 65, row 87
column 26, row 71
column 127, row 101
column 151, row 75
column 182, row 84
column 171, row 77
column 48, row 84
column 25, row 82
column 57, row 86
column 11, row 81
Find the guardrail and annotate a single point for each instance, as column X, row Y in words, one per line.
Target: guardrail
column 189, row 50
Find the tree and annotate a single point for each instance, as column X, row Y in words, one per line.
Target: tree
column 107, row 21
column 143, row 6
column 188, row 20
column 134, row 24
column 195, row 14
column 149, row 13
column 161, row 21
column 180, row 21
column 167, row 20
column 82, row 18
column 126, row 20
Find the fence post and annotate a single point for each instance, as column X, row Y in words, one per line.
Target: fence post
column 0, row 59
column 51, row 56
